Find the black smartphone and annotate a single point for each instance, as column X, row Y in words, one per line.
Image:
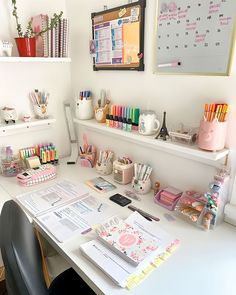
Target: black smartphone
column 120, row 200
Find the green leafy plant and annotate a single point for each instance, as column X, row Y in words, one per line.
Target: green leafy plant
column 29, row 30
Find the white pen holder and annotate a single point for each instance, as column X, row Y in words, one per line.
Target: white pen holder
column 40, row 111
column 141, row 186
column 104, row 168
column 84, row 109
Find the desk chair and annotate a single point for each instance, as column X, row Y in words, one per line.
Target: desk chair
column 22, row 259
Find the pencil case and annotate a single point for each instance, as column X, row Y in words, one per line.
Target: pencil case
column 37, row 175
column 212, row 135
column 168, row 197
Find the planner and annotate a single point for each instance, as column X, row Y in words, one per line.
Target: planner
column 119, row 270
column 130, row 243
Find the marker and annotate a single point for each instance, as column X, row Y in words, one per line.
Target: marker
column 170, row 65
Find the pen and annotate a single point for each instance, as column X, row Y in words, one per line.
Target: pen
column 143, row 213
column 171, row 65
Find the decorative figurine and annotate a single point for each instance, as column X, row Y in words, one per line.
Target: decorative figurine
column 9, row 114
column 26, row 118
column 163, row 133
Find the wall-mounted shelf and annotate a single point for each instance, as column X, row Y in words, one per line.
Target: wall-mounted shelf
column 35, row 59
column 19, row 126
column 185, row 151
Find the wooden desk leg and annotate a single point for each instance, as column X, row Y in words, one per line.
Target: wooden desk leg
column 44, row 262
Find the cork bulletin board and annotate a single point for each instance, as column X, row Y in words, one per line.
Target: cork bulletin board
column 118, row 35
column 195, row 36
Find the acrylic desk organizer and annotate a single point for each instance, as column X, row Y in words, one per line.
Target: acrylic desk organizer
column 191, row 206
column 168, row 197
column 184, row 134
column 206, row 209
column 11, row 167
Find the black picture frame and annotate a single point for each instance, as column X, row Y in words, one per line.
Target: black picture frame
column 111, row 15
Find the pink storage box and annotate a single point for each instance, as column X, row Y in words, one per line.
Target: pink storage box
column 168, row 197
column 212, row 135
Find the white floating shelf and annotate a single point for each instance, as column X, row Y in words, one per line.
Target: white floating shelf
column 35, row 59
column 20, row 126
column 185, row 151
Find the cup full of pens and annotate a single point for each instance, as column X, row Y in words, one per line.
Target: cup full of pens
column 84, row 106
column 213, row 127
column 87, row 154
column 104, row 163
column 141, row 182
column 40, row 103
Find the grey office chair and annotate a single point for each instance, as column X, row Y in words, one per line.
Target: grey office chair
column 22, row 259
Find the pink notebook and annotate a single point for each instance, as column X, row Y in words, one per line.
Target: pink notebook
column 131, row 244
column 38, row 25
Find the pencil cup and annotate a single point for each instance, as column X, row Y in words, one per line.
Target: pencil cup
column 88, row 160
column 40, row 111
column 104, row 168
column 84, row 109
column 100, row 113
column 141, row 186
column 212, row 135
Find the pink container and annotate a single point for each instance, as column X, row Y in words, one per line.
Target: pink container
column 212, row 135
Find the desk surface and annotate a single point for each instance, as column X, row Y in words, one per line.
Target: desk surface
column 203, row 264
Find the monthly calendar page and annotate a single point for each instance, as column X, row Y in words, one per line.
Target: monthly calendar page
column 195, row 36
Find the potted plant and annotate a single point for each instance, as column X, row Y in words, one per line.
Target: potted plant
column 26, row 42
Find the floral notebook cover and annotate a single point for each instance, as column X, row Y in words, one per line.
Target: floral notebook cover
column 131, row 244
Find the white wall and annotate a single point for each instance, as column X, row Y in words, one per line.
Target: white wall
column 18, row 79
column 183, row 97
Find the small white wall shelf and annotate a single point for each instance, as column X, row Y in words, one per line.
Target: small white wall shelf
column 185, row 151
column 35, row 59
column 20, row 126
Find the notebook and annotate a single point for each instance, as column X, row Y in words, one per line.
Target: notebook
column 119, row 270
column 130, row 243
column 100, row 185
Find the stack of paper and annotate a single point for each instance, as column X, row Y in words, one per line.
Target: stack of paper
column 65, row 209
column 120, row 270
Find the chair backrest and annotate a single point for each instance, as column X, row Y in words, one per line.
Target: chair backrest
column 20, row 252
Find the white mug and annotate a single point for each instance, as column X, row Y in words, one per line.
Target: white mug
column 148, row 123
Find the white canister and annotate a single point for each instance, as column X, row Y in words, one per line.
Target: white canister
column 84, row 109
column 148, row 123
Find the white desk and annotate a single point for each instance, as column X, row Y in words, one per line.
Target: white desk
column 203, row 264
